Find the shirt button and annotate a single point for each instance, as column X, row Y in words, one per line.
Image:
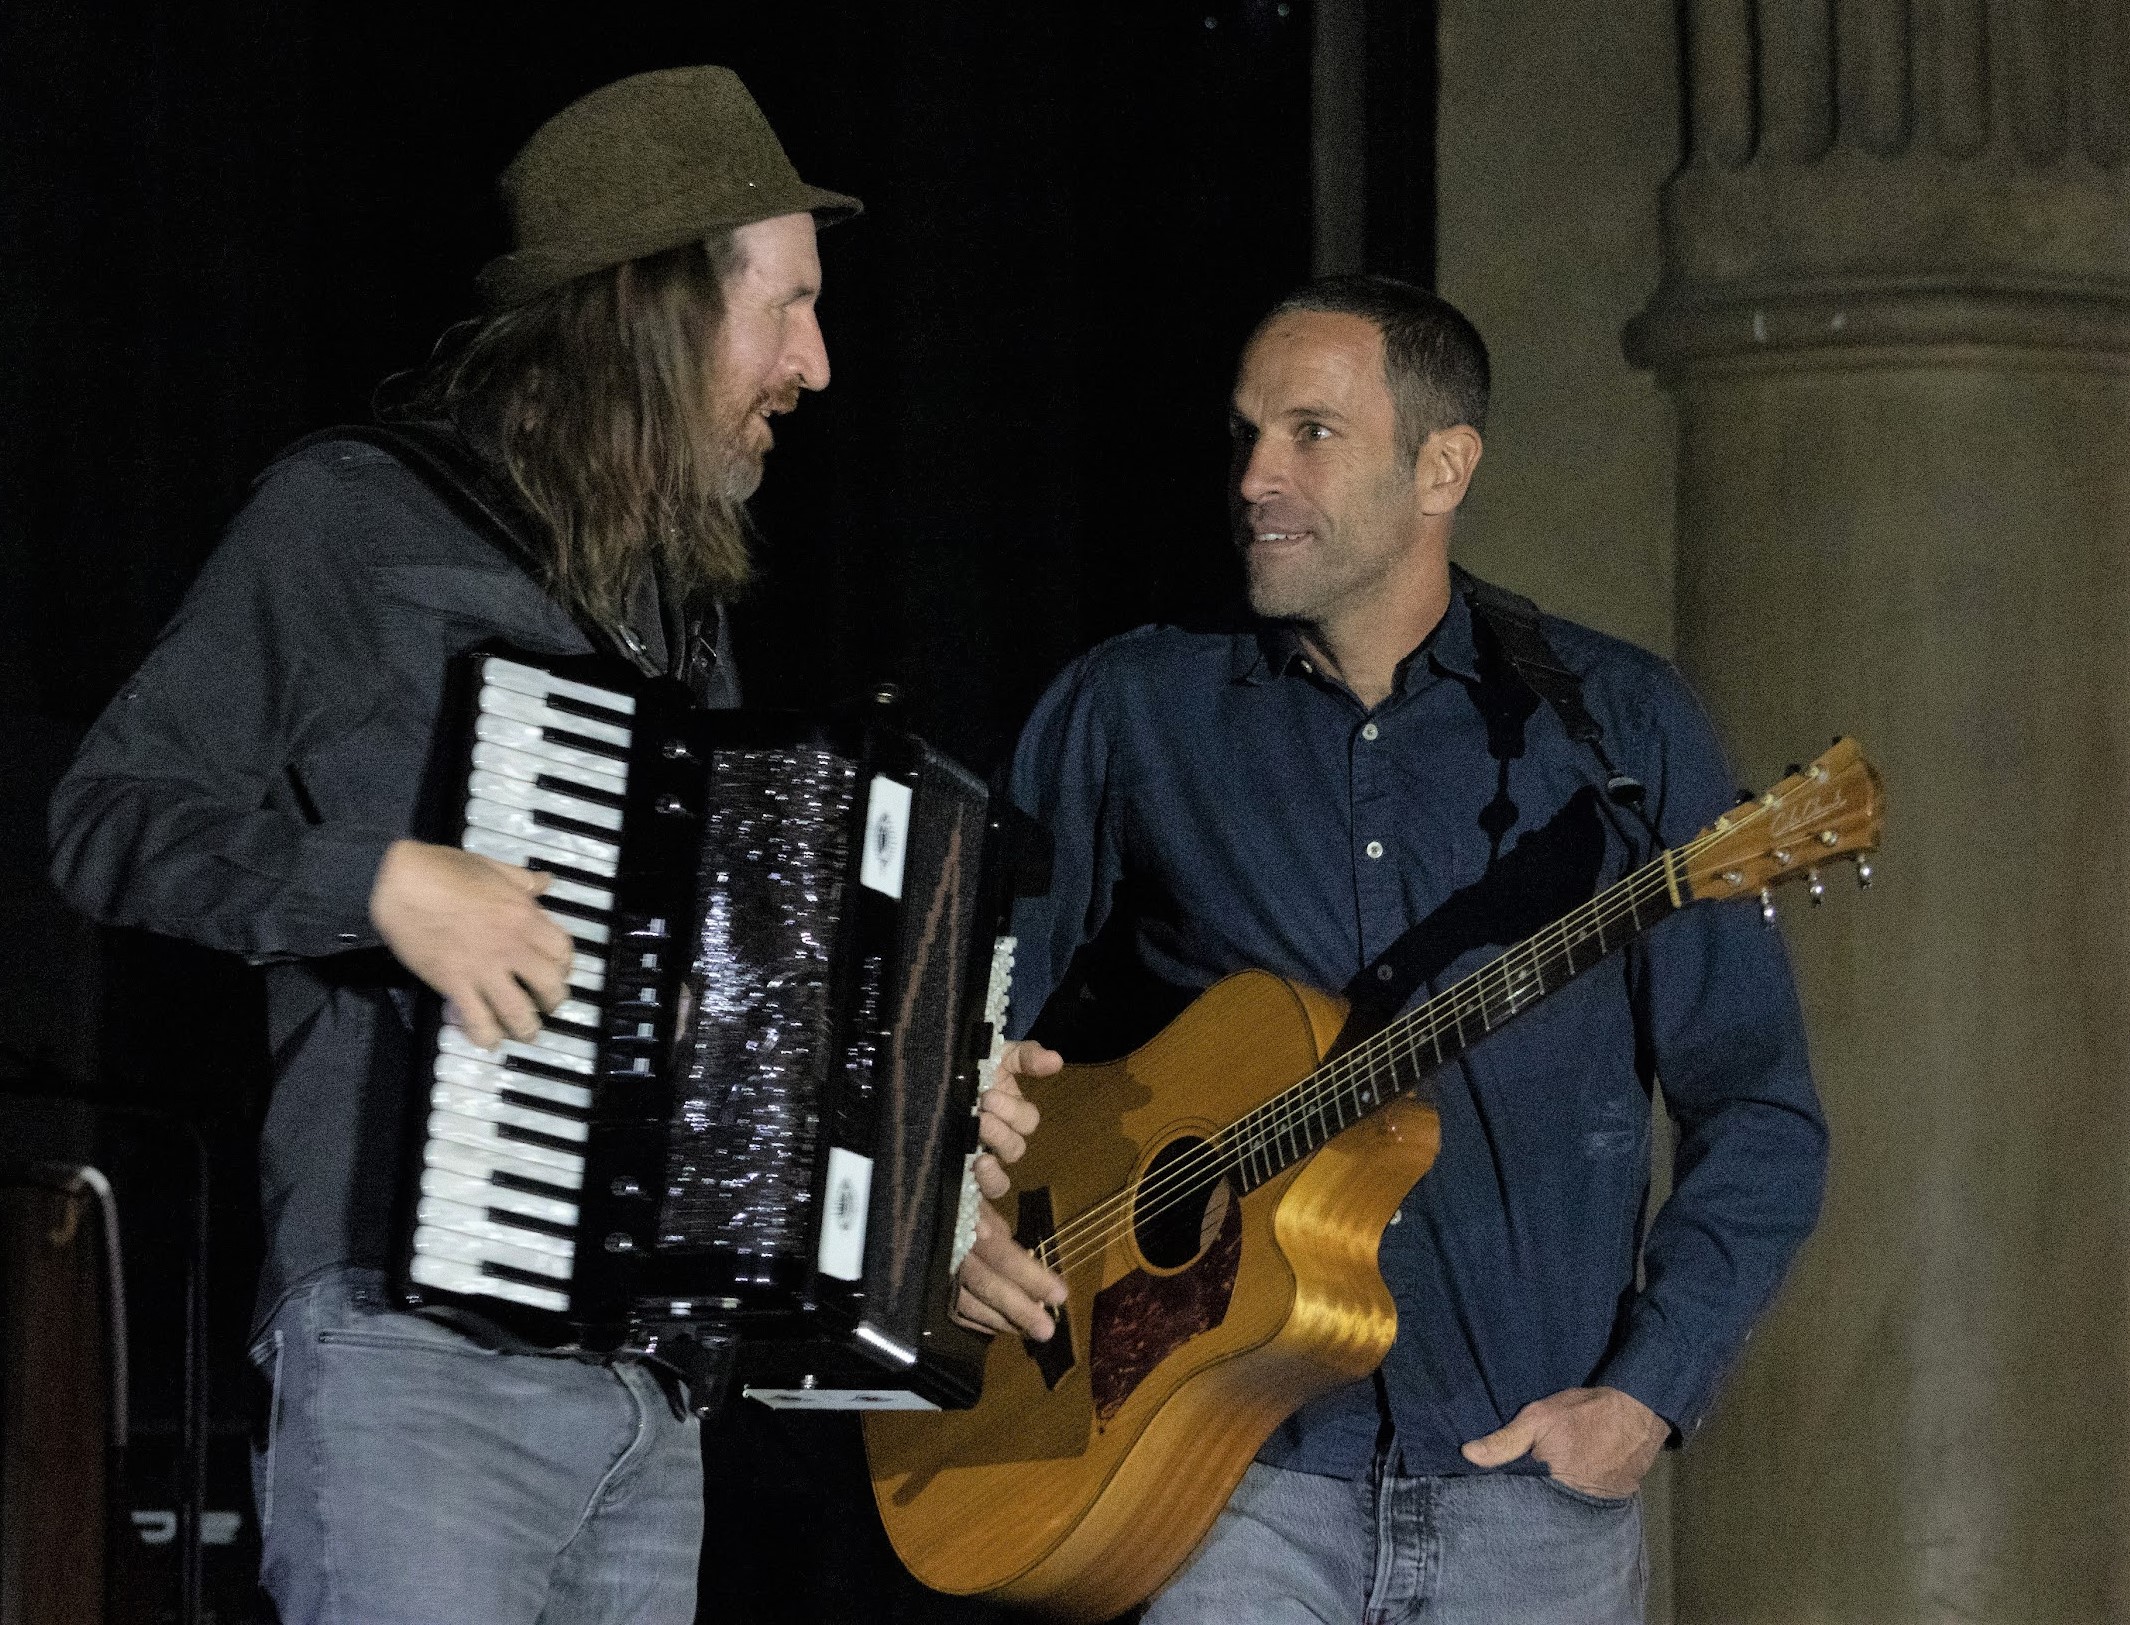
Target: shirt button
column 1368, row 730
column 1374, row 849
column 1383, row 974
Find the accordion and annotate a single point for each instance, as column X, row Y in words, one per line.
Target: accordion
column 753, row 1118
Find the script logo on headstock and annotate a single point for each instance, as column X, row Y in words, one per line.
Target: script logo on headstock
column 1800, row 812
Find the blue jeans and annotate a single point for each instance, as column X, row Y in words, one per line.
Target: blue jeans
column 1501, row 1549
column 408, row 1476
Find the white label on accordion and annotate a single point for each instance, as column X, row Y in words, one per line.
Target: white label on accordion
column 887, row 832
column 850, row 1187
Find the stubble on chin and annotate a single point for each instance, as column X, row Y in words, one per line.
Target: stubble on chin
column 1275, row 594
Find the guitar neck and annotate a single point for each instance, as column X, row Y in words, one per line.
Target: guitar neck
column 1405, row 1053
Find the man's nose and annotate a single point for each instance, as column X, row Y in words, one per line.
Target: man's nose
column 806, row 357
column 1261, row 474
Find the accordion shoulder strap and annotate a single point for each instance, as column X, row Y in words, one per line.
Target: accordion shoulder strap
column 437, row 455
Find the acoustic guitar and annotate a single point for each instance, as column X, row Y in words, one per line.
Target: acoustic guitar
column 1215, row 1202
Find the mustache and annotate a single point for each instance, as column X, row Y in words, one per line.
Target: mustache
column 780, row 400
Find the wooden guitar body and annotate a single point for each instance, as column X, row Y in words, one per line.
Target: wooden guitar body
column 1083, row 1479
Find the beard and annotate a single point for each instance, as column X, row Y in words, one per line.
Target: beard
column 744, row 440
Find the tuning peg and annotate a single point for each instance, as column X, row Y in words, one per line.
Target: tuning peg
column 1793, row 770
column 1767, row 906
column 1863, row 873
column 1744, row 796
column 1815, row 887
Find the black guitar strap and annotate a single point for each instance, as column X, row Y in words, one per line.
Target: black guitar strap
column 1519, row 632
column 1517, row 629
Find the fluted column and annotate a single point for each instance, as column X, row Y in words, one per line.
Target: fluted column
column 1896, row 321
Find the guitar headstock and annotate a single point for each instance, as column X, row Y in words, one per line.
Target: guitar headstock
column 1832, row 809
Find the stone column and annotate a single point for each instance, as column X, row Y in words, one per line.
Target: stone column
column 1896, row 321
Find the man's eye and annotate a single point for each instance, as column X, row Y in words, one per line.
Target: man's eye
column 1315, row 431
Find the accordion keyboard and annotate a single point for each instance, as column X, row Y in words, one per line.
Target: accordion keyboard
column 503, row 1158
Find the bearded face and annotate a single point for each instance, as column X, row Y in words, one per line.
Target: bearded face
column 632, row 408
column 768, row 348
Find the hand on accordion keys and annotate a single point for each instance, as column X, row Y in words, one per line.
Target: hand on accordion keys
column 1003, row 1286
column 473, row 930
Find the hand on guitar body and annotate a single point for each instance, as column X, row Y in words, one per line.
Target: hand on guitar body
column 473, row 929
column 1003, row 1287
column 1597, row 1440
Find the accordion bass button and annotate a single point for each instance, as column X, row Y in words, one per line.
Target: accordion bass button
column 625, row 1187
column 621, row 1242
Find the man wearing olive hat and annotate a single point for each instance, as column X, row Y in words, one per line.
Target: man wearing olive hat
column 570, row 476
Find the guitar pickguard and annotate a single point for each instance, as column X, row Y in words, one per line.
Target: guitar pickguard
column 1141, row 1318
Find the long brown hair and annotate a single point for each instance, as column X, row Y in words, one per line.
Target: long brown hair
column 596, row 399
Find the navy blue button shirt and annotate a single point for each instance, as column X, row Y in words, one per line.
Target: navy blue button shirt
column 1218, row 804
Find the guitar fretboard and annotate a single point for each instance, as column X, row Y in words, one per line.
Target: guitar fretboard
column 1345, row 1089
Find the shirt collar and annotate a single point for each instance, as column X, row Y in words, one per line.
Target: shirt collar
column 1274, row 649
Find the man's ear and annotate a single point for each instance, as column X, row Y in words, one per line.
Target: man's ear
column 1443, row 470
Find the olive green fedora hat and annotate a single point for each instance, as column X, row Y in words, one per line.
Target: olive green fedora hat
column 639, row 166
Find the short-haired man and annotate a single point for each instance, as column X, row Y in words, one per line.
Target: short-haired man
column 1356, row 792
column 575, row 480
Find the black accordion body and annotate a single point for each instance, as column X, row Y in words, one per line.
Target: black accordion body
column 754, row 1115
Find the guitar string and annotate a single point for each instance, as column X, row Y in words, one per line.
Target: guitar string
column 1312, row 1095
column 1277, row 1116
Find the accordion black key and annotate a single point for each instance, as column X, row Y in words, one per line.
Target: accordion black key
column 754, row 1114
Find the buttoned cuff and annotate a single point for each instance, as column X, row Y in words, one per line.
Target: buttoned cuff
column 329, row 894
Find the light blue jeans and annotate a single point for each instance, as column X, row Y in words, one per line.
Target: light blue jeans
column 1500, row 1549
column 410, row 1476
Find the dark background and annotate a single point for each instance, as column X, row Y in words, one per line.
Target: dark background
column 225, row 223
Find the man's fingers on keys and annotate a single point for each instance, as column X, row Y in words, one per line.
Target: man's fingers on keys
column 1001, row 1135
column 546, row 985
column 532, row 882
column 1025, row 1058
column 513, row 1008
column 469, row 1014
column 991, row 1179
column 543, row 966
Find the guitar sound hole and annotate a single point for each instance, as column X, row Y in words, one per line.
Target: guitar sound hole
column 1182, row 1201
